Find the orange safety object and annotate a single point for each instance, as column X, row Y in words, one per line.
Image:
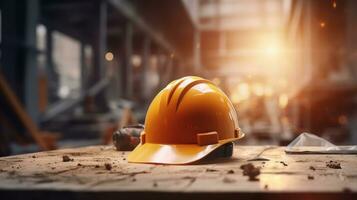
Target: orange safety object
column 187, row 120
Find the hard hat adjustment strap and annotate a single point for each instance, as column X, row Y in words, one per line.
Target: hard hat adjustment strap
column 207, row 138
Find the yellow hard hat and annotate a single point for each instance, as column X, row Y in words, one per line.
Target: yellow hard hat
column 186, row 121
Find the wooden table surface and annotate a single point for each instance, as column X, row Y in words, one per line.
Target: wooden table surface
column 45, row 175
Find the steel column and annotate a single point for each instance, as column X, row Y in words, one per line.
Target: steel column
column 31, row 72
column 145, row 64
column 127, row 65
column 99, row 48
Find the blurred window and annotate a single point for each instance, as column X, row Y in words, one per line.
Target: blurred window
column 66, row 56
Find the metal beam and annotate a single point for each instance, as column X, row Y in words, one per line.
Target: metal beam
column 100, row 40
column 100, row 47
column 125, row 8
column 50, row 67
column 127, row 67
column 145, row 66
column 68, row 104
column 83, row 68
column 31, row 74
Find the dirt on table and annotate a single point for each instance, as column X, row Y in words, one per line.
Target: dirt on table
column 230, row 171
column 108, row 166
column 251, row 171
column 333, row 164
column 66, row 158
column 211, row 170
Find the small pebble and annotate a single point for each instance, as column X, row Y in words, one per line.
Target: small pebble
column 108, row 166
column 66, row 159
column 347, row 190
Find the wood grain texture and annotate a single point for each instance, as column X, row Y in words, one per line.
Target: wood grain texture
column 87, row 175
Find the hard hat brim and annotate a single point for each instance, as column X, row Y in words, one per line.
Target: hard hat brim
column 175, row 154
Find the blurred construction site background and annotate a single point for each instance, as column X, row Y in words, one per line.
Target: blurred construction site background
column 74, row 71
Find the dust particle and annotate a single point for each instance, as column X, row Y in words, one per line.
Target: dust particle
column 310, row 177
column 312, row 168
column 230, row 171
column 251, row 171
column 282, row 162
column 211, row 170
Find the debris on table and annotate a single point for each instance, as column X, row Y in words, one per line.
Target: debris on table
column 48, row 172
column 211, row 170
column 108, row 166
column 259, row 159
column 155, row 184
column 66, row 158
column 251, row 171
column 347, row 190
column 230, row 171
column 333, row 164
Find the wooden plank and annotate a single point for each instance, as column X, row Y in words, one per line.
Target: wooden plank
column 283, row 176
column 21, row 113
